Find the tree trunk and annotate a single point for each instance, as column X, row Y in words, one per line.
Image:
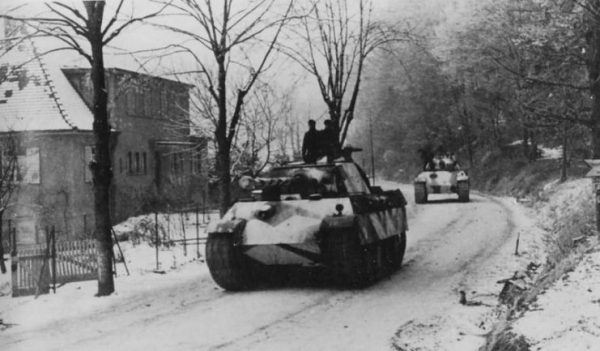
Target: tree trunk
column 593, row 75
column 564, row 165
column 2, row 265
column 101, row 166
column 595, row 122
column 223, row 163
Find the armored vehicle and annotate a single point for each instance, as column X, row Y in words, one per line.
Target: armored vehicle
column 309, row 215
column 441, row 177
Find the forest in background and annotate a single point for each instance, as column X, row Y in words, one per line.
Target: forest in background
column 491, row 86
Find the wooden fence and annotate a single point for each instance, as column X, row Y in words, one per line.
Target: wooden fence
column 38, row 267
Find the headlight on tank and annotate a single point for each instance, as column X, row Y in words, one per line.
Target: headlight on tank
column 246, row 183
column 265, row 212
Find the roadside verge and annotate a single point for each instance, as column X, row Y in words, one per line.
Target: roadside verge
column 557, row 306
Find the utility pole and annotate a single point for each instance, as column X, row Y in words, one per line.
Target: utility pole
column 372, row 151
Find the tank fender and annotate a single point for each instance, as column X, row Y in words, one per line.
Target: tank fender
column 395, row 198
column 335, row 222
column 233, row 227
column 462, row 176
column 331, row 224
column 422, row 177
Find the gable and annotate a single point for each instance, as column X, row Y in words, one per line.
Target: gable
column 35, row 94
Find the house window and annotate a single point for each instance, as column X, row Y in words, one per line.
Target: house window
column 129, row 163
column 148, row 102
column 131, row 101
column 174, row 164
column 90, row 153
column 157, row 98
column 163, row 102
column 144, row 162
column 195, row 163
column 177, row 163
column 139, row 101
column 171, row 102
column 9, row 166
column 137, row 162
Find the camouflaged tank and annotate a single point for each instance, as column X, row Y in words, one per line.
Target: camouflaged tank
column 440, row 178
column 309, row 215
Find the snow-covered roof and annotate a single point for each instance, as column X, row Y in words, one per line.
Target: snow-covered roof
column 36, row 95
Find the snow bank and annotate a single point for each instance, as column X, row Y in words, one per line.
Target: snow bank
column 149, row 270
column 566, row 316
column 466, row 327
column 5, row 279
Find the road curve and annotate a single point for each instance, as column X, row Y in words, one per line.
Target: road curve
column 448, row 244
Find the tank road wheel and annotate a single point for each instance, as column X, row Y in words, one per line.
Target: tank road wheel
column 229, row 268
column 463, row 191
column 420, row 193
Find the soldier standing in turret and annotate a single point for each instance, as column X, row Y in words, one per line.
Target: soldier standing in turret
column 329, row 141
column 310, row 144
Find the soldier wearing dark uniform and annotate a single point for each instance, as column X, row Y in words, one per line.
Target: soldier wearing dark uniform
column 329, row 141
column 310, row 144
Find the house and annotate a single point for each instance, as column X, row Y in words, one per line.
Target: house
column 45, row 111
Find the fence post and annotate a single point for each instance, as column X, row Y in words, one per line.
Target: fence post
column 53, row 260
column 204, row 208
column 197, row 233
column 43, row 280
column 14, row 259
column 156, row 239
column 168, row 223
column 184, row 236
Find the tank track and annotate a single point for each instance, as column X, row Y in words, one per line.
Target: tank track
column 361, row 265
column 420, row 193
column 229, row 268
column 463, row 191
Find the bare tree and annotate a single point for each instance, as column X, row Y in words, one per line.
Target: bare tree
column 334, row 50
column 227, row 35
column 77, row 29
column 8, row 183
column 261, row 126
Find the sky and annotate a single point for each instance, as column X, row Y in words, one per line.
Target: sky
column 284, row 73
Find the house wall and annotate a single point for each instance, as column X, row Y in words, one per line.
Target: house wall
column 62, row 198
column 146, row 111
column 150, row 117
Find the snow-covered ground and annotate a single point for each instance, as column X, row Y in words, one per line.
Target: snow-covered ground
column 546, row 153
column 452, row 247
column 567, row 315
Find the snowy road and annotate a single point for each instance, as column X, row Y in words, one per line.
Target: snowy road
column 451, row 247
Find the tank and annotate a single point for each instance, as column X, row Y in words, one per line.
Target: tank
column 309, row 215
column 442, row 178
